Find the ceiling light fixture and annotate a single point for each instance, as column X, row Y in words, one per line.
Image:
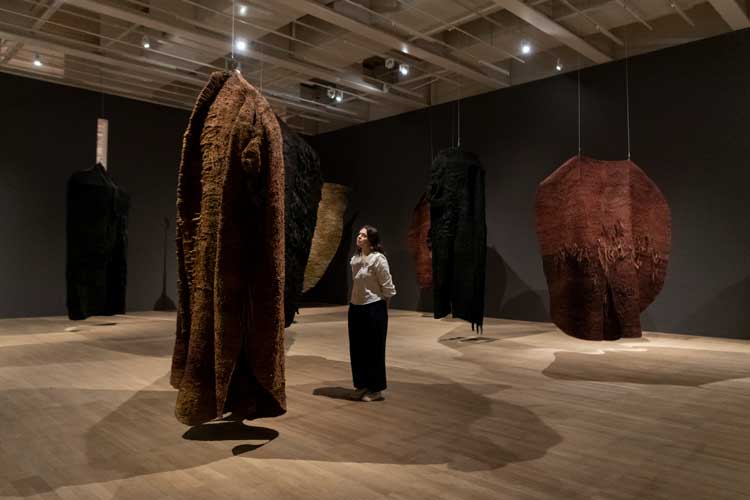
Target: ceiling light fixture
column 37, row 61
column 243, row 10
column 390, row 63
column 145, row 42
column 526, row 48
column 241, row 44
column 339, row 96
column 331, row 93
column 403, row 69
column 559, row 65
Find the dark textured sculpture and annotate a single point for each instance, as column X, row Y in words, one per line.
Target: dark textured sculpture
column 458, row 235
column 97, row 242
column 303, row 183
column 229, row 350
column 605, row 231
column 328, row 231
column 418, row 240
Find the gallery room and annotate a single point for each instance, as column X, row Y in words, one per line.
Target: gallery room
column 375, row 249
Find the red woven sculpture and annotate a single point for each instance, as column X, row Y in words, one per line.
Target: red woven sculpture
column 419, row 245
column 605, row 235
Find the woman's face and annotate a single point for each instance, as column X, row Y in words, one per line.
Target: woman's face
column 362, row 241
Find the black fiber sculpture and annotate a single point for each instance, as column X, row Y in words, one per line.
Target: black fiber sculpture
column 97, row 243
column 303, row 184
column 458, row 233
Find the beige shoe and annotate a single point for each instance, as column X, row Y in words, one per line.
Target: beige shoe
column 357, row 394
column 373, row 396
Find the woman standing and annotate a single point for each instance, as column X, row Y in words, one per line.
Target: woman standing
column 372, row 288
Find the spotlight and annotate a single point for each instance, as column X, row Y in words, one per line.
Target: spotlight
column 145, row 42
column 403, row 69
column 559, row 65
column 339, row 96
column 241, row 44
column 37, row 61
column 390, row 63
column 331, row 93
column 243, row 10
column 526, row 48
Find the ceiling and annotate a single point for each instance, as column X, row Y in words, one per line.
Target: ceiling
column 324, row 65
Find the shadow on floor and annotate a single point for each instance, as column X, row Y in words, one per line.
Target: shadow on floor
column 111, row 435
column 336, row 393
column 432, row 419
column 232, row 431
column 651, row 365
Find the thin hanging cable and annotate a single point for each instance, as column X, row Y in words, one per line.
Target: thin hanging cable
column 458, row 116
column 579, row 107
column 234, row 9
column 627, row 88
column 429, row 121
column 451, row 125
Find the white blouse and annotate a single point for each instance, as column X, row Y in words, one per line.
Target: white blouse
column 371, row 279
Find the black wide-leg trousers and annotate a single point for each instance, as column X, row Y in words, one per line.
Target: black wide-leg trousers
column 368, row 327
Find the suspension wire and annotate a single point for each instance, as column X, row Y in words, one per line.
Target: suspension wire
column 458, row 117
column 429, row 122
column 579, row 107
column 234, row 9
column 627, row 88
column 451, row 125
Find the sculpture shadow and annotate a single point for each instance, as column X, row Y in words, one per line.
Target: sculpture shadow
column 158, row 347
column 113, row 434
column 724, row 315
column 433, row 419
column 233, row 430
column 651, row 365
column 496, row 283
column 508, row 296
column 117, row 434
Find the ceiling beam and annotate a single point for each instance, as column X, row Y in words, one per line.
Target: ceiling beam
column 223, row 46
column 732, row 13
column 386, row 39
column 553, row 29
column 145, row 69
column 49, row 12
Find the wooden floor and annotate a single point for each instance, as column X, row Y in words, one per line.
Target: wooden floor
column 528, row 414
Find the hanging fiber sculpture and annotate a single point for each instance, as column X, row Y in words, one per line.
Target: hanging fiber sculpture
column 229, row 351
column 328, row 231
column 97, row 244
column 458, row 235
column 418, row 240
column 605, row 234
column 303, row 182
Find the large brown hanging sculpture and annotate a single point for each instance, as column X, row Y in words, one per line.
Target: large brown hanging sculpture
column 418, row 240
column 458, row 235
column 328, row 231
column 229, row 353
column 303, row 182
column 605, row 235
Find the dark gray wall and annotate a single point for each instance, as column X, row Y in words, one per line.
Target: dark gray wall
column 49, row 131
column 690, row 112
